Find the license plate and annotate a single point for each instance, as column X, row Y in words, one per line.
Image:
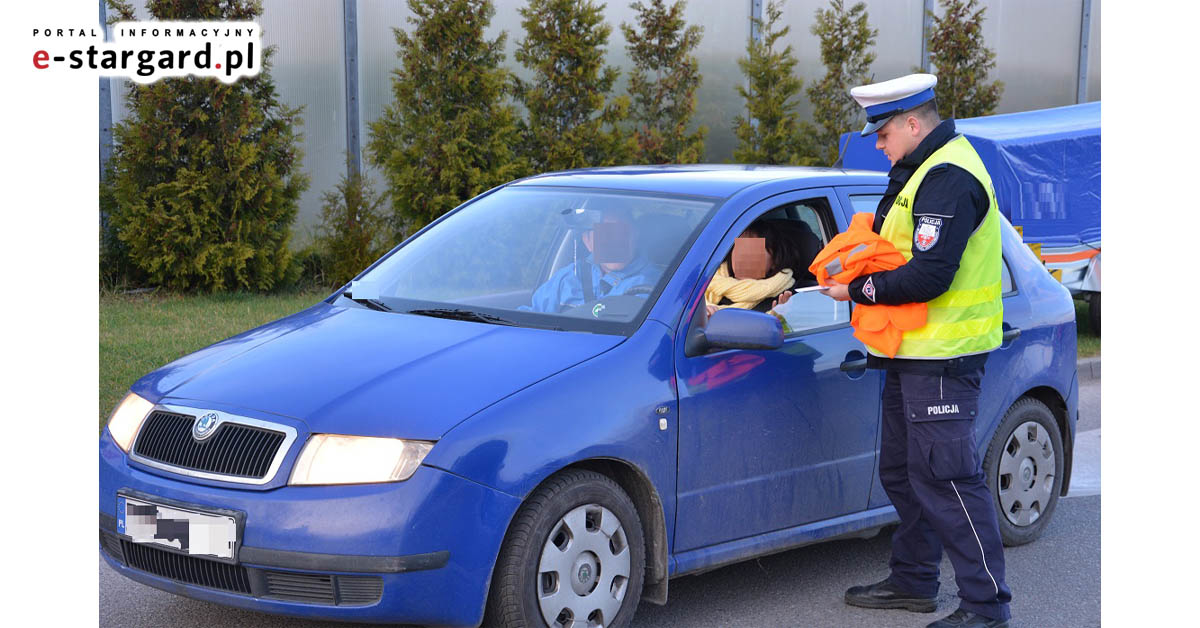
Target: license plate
column 190, row 531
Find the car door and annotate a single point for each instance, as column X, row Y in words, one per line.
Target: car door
column 774, row 439
column 859, row 199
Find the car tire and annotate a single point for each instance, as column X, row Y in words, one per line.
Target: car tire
column 1024, row 468
column 574, row 521
column 1094, row 312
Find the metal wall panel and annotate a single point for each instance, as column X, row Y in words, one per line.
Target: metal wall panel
column 1036, row 42
column 726, row 31
column 1037, row 52
column 897, row 46
column 376, row 59
column 1093, row 68
column 309, row 71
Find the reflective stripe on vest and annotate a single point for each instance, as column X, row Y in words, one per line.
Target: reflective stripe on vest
column 967, row 318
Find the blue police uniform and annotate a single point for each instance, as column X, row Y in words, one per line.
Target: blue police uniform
column 564, row 290
column 929, row 466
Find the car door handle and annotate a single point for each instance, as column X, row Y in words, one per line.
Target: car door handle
column 854, row 365
column 1010, row 335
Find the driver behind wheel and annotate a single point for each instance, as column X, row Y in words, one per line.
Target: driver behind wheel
column 613, row 261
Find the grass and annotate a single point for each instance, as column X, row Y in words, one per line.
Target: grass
column 139, row 333
column 1088, row 342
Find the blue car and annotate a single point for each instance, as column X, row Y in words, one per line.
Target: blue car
column 472, row 432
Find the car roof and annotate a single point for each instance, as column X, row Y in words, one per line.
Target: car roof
column 714, row 180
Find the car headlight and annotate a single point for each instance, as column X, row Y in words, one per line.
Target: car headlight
column 126, row 419
column 335, row 459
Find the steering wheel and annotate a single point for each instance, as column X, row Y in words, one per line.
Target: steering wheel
column 622, row 306
column 642, row 289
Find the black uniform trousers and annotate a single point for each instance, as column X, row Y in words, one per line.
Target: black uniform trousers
column 930, row 469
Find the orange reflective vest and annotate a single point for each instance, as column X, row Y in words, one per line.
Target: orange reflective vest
column 860, row 251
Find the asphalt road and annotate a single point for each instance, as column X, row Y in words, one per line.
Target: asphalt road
column 1055, row 581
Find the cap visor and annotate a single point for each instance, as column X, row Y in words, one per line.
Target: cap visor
column 874, row 126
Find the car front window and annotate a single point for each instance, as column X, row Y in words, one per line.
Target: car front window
column 525, row 254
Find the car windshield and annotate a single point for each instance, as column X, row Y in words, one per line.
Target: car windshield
column 553, row 257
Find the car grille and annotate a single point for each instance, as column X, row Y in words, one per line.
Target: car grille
column 354, row 590
column 306, row 588
column 323, row 588
column 189, row 569
column 112, row 545
column 233, row 449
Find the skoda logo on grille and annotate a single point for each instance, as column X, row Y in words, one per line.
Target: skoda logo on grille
column 205, row 426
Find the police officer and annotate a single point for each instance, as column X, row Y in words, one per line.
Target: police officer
column 940, row 212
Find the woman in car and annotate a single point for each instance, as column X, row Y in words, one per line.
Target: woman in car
column 756, row 279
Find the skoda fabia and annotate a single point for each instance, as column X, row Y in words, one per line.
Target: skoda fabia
column 471, row 433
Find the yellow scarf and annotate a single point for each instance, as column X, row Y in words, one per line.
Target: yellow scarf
column 746, row 293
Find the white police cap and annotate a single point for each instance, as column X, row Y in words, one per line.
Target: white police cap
column 886, row 99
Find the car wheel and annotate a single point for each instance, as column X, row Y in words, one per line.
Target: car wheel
column 574, row 556
column 1024, row 467
column 1094, row 312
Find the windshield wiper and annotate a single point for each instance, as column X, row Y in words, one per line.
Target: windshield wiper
column 374, row 304
column 463, row 315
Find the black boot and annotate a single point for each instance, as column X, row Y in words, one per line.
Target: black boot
column 886, row 595
column 966, row 619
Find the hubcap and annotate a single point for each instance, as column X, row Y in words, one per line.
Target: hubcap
column 583, row 571
column 1026, row 476
column 586, row 569
column 1027, row 467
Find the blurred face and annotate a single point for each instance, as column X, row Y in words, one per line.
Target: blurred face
column 899, row 137
column 751, row 260
column 611, row 242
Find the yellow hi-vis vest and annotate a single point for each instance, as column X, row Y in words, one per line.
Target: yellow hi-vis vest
column 967, row 318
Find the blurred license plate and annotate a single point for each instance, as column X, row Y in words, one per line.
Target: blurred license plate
column 186, row 530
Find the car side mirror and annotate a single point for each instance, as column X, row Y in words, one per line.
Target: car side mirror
column 732, row 328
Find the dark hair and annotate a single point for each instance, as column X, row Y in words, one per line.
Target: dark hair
column 926, row 111
column 786, row 243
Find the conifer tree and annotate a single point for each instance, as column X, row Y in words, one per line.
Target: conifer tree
column 353, row 230
column 569, row 124
column 961, row 61
column 663, row 84
column 449, row 132
column 205, row 176
column 846, row 38
column 771, row 133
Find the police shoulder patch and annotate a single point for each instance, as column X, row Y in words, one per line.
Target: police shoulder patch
column 926, row 233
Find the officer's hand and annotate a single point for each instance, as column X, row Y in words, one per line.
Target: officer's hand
column 838, row 291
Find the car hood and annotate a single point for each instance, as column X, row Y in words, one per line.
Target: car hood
column 355, row 371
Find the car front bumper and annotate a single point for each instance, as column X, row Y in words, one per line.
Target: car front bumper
column 419, row 551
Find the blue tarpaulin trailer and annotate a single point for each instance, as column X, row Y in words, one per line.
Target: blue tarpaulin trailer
column 1045, row 166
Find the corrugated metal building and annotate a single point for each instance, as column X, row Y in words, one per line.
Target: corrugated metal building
column 1038, row 46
